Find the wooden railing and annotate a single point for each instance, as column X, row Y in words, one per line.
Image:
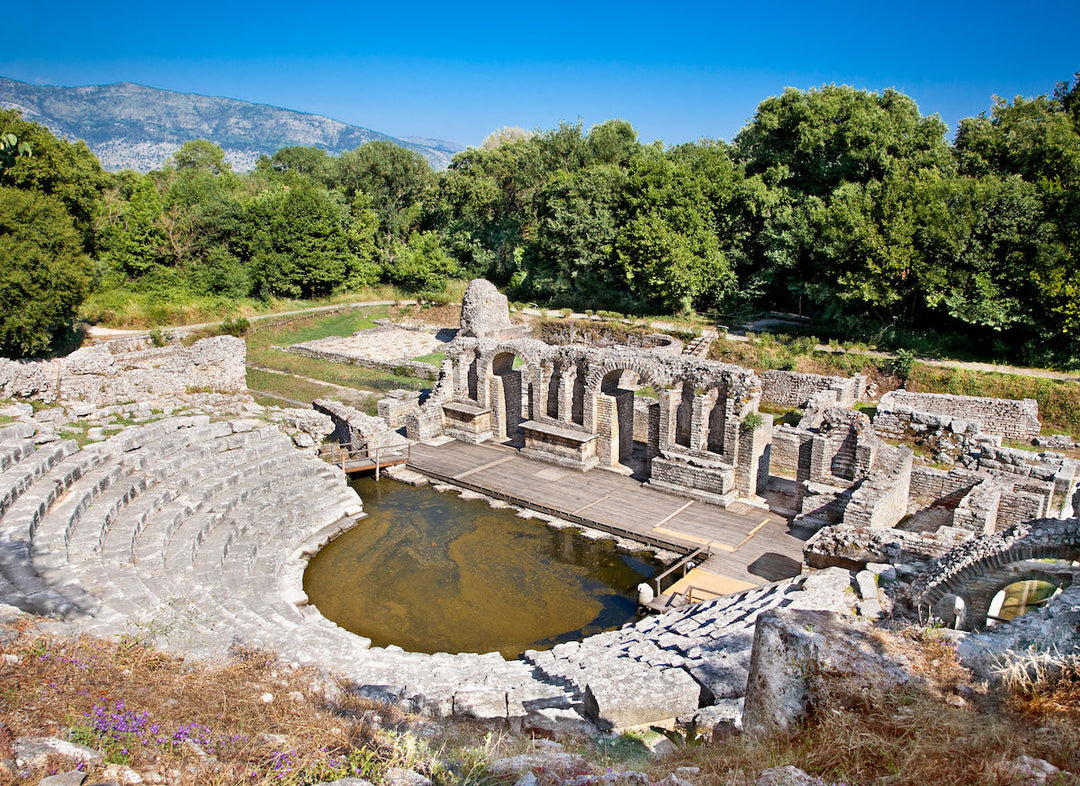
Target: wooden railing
column 707, row 550
column 336, row 453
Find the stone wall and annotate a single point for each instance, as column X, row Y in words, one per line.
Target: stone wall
column 881, row 501
column 396, row 406
column 790, row 389
column 356, row 429
column 129, row 370
column 941, row 486
column 1000, row 417
column 411, row 368
column 790, row 455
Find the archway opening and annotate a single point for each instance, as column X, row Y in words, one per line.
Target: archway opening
column 635, row 412
column 509, row 397
column 1016, row 599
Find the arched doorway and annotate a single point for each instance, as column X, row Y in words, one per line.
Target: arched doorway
column 508, row 397
column 627, row 423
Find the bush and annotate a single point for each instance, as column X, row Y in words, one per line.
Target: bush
column 753, row 420
column 235, row 327
column 903, row 363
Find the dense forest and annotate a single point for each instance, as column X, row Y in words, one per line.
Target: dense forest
column 844, row 205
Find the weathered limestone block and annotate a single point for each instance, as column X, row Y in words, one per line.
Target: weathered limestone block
column 795, row 651
column 317, row 425
column 635, row 695
column 485, row 312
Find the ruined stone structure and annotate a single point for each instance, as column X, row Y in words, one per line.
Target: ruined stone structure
column 792, row 389
column 128, row 370
column 977, row 570
column 845, row 473
column 485, row 312
column 363, row 433
column 1004, row 418
column 576, row 407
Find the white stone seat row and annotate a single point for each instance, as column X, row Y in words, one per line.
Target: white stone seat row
column 19, row 477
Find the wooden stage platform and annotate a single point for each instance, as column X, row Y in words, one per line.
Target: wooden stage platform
column 750, row 546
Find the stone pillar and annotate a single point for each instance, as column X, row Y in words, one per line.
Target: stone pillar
column 498, row 407
column 752, row 462
column 699, row 423
column 668, row 410
column 654, row 430
column 732, row 431
column 607, row 422
column 511, row 384
column 567, row 378
column 624, row 408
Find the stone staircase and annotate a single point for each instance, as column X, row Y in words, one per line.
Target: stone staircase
column 699, row 347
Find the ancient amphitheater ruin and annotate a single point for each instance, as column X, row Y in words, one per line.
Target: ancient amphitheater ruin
column 189, row 512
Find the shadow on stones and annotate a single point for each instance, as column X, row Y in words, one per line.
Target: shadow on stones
column 774, row 567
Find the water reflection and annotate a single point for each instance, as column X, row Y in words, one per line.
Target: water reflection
column 433, row 573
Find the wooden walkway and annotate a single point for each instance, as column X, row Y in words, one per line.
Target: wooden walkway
column 750, row 546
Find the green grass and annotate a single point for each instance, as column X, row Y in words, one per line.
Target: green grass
column 299, row 390
column 121, row 307
column 263, row 339
column 433, row 359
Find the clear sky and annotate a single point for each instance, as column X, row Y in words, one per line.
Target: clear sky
column 677, row 71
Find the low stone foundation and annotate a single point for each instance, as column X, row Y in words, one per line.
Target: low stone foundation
column 1000, row 417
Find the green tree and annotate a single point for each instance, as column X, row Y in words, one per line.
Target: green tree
column 669, row 251
column 813, row 141
column 397, row 180
column 69, row 172
column 298, row 243
column 420, row 265
column 570, row 258
column 44, row 273
column 201, row 155
column 360, row 235
column 131, row 238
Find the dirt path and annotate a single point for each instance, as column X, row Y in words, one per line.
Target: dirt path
column 94, row 331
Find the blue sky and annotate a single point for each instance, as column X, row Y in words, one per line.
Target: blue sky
column 677, row 71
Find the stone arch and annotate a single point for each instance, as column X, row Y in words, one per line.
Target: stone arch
column 509, row 391
column 1023, row 587
column 609, row 412
column 975, row 571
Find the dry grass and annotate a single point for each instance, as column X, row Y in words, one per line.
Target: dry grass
column 193, row 724
column 909, row 737
column 247, row 720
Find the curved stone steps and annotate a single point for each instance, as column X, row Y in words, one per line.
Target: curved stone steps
column 19, row 477
column 80, row 518
column 13, row 451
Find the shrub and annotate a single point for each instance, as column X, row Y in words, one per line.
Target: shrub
column 235, row 327
column 753, row 421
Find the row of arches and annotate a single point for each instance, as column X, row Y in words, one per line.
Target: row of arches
column 623, row 408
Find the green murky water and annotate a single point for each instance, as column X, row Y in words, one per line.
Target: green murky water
column 431, row 572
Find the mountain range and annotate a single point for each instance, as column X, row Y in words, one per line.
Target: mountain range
column 130, row 126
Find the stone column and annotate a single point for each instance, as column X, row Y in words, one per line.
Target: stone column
column 669, row 404
column 752, row 462
column 567, row 376
column 607, row 422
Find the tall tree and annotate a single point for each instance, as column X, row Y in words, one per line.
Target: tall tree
column 44, row 273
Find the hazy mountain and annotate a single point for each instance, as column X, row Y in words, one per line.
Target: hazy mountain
column 138, row 127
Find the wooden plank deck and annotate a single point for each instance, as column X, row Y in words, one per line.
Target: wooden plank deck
column 750, row 546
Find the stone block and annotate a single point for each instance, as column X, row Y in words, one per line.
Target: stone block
column 637, row 695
